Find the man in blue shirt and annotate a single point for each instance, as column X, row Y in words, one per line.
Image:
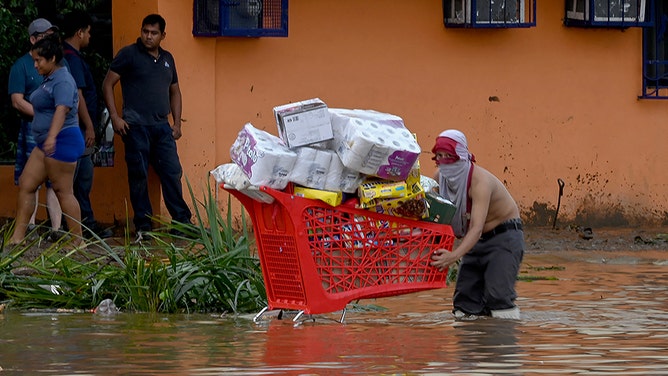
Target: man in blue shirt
column 150, row 89
column 23, row 80
column 76, row 31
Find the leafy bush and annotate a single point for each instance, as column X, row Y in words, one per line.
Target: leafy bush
column 203, row 269
column 15, row 16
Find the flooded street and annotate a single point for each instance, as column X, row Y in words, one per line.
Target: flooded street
column 583, row 312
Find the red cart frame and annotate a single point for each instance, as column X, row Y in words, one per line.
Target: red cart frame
column 316, row 258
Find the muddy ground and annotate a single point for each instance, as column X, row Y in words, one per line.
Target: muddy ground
column 546, row 239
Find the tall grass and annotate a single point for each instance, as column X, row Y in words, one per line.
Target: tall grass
column 181, row 268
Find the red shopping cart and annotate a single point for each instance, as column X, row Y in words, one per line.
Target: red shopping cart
column 316, row 258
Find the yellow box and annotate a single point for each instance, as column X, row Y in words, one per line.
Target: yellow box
column 372, row 190
column 329, row 197
column 414, row 205
column 413, row 175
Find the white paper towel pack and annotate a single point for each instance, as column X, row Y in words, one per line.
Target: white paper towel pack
column 374, row 143
column 231, row 175
column 310, row 169
column 263, row 157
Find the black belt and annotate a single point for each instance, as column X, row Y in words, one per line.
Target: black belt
column 513, row 224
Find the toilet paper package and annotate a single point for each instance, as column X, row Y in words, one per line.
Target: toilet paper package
column 311, row 166
column 263, row 157
column 231, row 176
column 374, row 143
column 341, row 178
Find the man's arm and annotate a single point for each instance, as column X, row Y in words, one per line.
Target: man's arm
column 22, row 105
column 84, row 117
column 176, row 105
column 110, row 80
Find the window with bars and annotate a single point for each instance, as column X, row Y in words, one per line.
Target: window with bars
column 489, row 13
column 655, row 53
column 240, row 18
column 608, row 13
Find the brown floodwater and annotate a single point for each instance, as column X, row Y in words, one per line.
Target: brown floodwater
column 583, row 312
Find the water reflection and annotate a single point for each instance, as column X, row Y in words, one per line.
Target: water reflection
column 596, row 318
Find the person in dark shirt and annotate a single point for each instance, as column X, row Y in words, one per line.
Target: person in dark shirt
column 76, row 32
column 150, row 90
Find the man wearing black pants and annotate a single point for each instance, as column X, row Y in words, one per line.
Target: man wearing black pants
column 77, row 36
column 150, row 89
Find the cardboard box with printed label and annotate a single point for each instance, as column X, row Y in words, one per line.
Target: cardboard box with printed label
column 303, row 123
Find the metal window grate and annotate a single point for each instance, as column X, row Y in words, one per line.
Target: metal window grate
column 240, row 18
column 608, row 13
column 655, row 54
column 489, row 13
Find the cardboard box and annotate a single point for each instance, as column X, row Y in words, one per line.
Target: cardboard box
column 303, row 123
column 441, row 210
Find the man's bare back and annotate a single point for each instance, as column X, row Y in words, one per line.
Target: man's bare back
column 502, row 206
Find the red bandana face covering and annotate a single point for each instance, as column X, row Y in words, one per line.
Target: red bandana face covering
column 448, row 145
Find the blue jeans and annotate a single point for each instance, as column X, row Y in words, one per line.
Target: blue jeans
column 83, row 184
column 24, row 146
column 154, row 145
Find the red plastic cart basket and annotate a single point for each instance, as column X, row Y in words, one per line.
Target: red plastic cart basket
column 317, row 258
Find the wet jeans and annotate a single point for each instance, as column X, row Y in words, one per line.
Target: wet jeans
column 154, row 145
column 487, row 274
column 83, row 184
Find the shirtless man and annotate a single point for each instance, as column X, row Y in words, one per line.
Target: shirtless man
column 487, row 221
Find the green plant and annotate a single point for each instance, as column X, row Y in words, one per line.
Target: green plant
column 15, row 16
column 202, row 269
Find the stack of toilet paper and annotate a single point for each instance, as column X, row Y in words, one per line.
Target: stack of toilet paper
column 374, row 143
column 263, row 157
column 366, row 144
column 322, row 169
column 341, row 178
column 311, row 167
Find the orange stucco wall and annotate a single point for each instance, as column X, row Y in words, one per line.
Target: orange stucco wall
column 567, row 98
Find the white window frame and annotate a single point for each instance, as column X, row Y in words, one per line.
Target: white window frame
column 466, row 4
column 573, row 14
